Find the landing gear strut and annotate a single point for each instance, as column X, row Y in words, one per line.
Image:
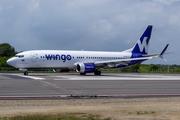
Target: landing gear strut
column 97, row 72
column 25, row 73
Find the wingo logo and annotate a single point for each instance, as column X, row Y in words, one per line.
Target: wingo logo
column 58, row 57
column 143, row 45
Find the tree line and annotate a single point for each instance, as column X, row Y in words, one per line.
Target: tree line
column 6, row 52
column 154, row 68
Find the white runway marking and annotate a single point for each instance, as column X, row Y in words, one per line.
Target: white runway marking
column 119, row 77
column 31, row 77
column 143, row 77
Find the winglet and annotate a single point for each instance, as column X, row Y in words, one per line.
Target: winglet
column 164, row 50
column 162, row 53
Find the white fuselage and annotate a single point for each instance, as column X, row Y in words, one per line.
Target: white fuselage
column 62, row 59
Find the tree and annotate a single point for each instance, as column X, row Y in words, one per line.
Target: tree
column 3, row 62
column 6, row 50
column 133, row 68
column 154, row 67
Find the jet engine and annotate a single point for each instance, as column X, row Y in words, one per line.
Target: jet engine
column 85, row 67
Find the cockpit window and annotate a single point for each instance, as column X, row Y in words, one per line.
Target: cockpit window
column 20, row 56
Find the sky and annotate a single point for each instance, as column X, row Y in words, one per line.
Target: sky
column 91, row 25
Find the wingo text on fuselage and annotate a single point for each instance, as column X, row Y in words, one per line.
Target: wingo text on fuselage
column 58, row 57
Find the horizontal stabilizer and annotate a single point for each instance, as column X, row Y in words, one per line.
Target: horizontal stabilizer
column 155, row 54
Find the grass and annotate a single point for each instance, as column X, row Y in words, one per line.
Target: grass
column 139, row 112
column 4, row 118
column 145, row 112
column 129, row 112
column 55, row 117
column 152, row 112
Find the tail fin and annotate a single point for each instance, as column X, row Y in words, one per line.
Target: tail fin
column 143, row 43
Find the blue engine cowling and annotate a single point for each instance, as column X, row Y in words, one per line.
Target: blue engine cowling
column 85, row 68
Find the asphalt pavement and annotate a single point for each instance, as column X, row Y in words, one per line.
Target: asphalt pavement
column 54, row 84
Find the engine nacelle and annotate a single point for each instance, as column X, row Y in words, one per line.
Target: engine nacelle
column 85, row 68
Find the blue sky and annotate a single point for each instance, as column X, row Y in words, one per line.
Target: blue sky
column 102, row 25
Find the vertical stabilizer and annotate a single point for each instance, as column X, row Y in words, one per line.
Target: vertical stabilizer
column 143, row 43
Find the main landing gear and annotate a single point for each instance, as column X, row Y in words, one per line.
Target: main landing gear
column 82, row 73
column 97, row 72
column 25, row 73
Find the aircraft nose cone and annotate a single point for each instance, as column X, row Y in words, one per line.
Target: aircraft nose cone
column 11, row 62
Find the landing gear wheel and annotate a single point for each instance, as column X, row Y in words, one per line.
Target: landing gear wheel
column 82, row 73
column 97, row 73
column 25, row 73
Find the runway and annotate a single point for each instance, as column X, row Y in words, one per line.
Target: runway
column 72, row 84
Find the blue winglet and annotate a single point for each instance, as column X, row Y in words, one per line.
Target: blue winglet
column 164, row 50
column 162, row 53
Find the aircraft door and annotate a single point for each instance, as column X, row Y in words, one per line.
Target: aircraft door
column 33, row 57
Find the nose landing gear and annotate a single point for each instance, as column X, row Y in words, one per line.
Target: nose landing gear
column 25, row 73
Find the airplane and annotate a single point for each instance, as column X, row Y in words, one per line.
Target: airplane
column 85, row 61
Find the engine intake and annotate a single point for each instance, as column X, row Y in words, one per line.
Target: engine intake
column 85, row 68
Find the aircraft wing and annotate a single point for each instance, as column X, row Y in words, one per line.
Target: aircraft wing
column 125, row 61
column 119, row 61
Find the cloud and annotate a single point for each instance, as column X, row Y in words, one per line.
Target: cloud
column 33, row 5
column 168, row 2
column 104, row 25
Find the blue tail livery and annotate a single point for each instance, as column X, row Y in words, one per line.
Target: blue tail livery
column 143, row 43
